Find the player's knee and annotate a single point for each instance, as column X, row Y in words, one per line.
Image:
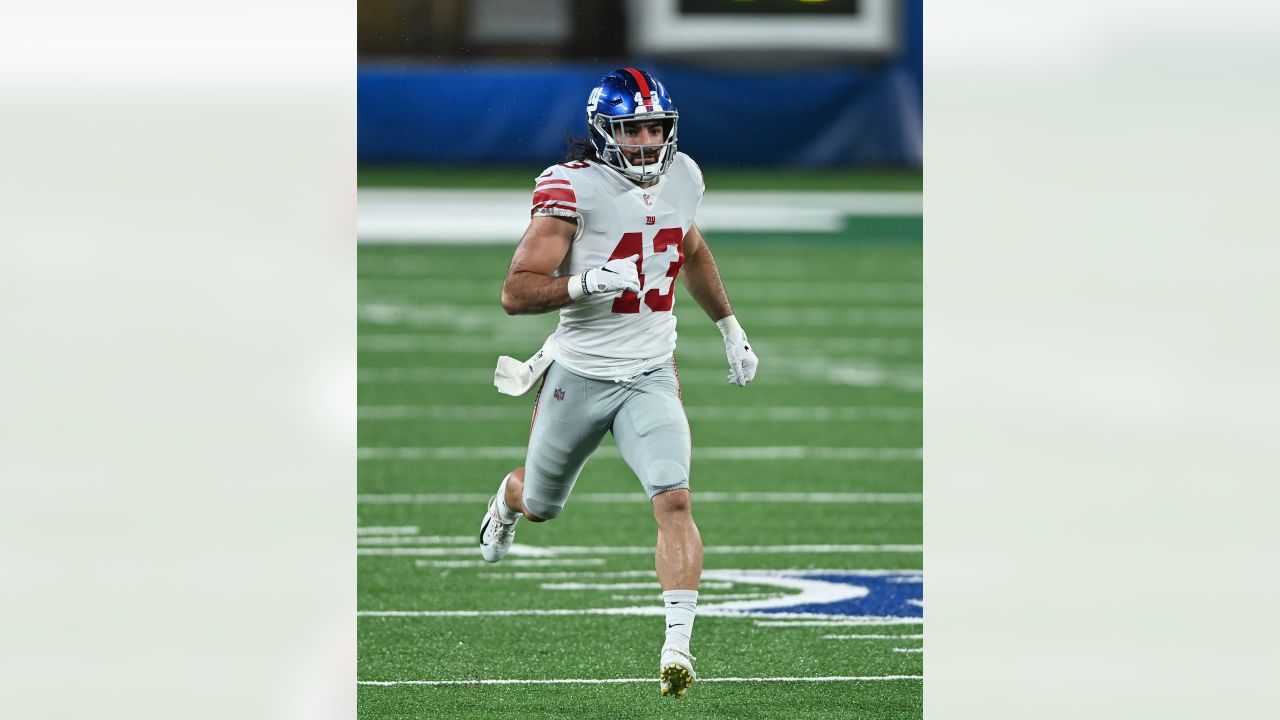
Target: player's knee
column 665, row 477
column 669, row 483
column 672, row 507
column 539, row 511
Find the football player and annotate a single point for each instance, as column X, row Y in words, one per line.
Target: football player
column 610, row 232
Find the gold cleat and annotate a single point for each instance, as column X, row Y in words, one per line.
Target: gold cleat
column 677, row 672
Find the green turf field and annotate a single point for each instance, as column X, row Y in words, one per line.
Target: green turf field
column 814, row 466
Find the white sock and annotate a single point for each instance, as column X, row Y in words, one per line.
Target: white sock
column 681, row 606
column 505, row 513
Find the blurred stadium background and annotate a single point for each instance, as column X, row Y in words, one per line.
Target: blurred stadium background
column 806, row 119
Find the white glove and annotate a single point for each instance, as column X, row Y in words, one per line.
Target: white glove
column 742, row 361
column 614, row 277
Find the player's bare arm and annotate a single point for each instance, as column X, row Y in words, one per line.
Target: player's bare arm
column 530, row 286
column 702, row 277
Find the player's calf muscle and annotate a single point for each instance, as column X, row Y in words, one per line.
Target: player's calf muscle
column 514, row 496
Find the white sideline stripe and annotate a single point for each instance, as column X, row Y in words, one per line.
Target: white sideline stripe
column 553, row 551
column 873, row 637
column 515, row 562
column 401, row 530
column 908, row 650
column 744, row 453
column 701, row 496
column 721, row 413
column 628, row 586
column 419, row 540
column 470, row 216
column 609, row 681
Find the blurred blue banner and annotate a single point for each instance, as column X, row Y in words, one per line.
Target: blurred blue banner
column 519, row 114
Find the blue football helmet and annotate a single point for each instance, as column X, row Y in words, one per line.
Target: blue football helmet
column 630, row 95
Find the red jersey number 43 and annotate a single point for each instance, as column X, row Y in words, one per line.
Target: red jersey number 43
column 632, row 243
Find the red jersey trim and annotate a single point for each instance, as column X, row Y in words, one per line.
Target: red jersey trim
column 553, row 194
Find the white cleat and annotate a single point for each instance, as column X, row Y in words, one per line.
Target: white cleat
column 495, row 536
column 677, row 672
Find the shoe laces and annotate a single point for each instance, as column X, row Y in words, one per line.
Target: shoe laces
column 499, row 530
column 678, row 651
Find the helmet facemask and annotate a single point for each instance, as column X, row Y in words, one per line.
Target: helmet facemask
column 653, row 161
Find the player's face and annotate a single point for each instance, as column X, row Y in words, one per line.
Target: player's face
column 641, row 141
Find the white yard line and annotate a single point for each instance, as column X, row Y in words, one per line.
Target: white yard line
column 610, row 681
column 704, row 597
column 718, row 413
column 908, row 650
column 701, row 496
column 809, row 619
column 401, row 530
column 566, row 574
column 873, row 637
column 448, row 289
column 478, row 318
column 740, row 548
column 557, row 550
column 904, row 377
column 562, row 574
column 514, row 562
column 708, row 585
column 848, row 622
column 420, row 540
column 742, row 453
column 512, row 341
column 419, row 552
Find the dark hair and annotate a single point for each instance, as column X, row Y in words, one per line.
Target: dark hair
column 580, row 148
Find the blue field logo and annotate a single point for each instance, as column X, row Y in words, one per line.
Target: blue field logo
column 887, row 596
column 871, row 595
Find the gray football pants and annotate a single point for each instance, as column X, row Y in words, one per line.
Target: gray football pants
column 573, row 413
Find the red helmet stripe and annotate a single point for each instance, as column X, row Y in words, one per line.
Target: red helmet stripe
column 644, row 86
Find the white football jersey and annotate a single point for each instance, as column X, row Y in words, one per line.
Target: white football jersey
column 619, row 336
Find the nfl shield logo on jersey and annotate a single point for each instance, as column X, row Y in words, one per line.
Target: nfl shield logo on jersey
column 559, row 393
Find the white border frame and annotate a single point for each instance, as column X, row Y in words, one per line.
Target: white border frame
column 658, row 27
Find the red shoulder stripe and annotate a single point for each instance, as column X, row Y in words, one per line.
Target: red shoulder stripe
column 553, row 205
column 545, row 183
column 548, row 194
